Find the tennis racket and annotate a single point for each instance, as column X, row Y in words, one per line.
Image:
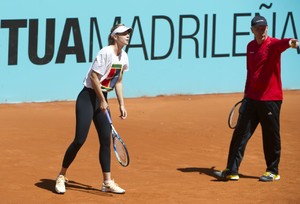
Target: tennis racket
column 120, row 148
column 234, row 115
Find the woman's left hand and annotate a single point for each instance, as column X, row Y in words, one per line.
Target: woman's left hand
column 123, row 112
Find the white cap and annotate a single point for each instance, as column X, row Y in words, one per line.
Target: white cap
column 121, row 29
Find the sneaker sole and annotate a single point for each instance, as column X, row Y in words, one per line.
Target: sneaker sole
column 232, row 179
column 277, row 179
column 219, row 176
column 108, row 191
column 59, row 192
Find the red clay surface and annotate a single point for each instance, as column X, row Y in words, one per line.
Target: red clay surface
column 175, row 143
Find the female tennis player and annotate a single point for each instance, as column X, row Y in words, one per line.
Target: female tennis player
column 104, row 75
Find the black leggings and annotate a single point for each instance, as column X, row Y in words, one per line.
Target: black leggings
column 87, row 109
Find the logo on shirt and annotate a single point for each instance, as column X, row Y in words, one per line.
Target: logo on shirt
column 109, row 83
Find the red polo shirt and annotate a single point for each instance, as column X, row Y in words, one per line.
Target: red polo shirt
column 263, row 69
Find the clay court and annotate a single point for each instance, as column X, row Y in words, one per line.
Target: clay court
column 175, row 144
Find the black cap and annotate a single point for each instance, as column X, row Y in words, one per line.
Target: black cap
column 259, row 21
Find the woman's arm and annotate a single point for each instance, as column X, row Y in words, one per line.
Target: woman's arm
column 97, row 88
column 119, row 93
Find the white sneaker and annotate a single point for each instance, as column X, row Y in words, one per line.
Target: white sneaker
column 60, row 184
column 112, row 187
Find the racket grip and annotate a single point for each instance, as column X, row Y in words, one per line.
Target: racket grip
column 108, row 116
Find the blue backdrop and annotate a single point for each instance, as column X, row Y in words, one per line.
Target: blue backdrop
column 177, row 47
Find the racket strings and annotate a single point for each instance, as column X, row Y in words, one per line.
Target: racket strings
column 121, row 151
column 234, row 115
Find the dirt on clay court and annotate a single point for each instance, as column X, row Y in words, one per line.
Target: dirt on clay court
column 175, row 144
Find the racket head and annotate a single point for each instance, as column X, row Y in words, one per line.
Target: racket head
column 234, row 115
column 120, row 149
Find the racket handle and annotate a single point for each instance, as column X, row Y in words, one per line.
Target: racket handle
column 108, row 116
